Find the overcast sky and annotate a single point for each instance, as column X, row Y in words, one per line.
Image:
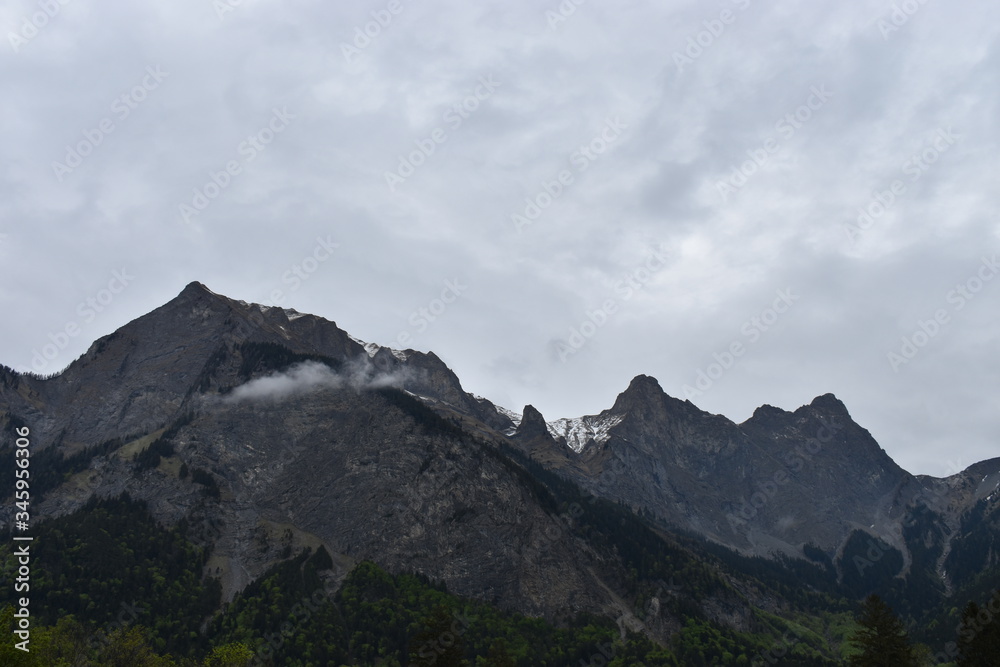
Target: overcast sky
column 574, row 197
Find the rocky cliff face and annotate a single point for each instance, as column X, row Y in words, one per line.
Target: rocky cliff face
column 773, row 484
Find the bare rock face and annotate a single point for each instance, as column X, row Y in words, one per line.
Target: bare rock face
column 770, row 485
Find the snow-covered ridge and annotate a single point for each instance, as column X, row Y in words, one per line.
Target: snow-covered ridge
column 510, row 414
column 290, row 313
column 578, row 431
column 581, row 430
column 373, row 348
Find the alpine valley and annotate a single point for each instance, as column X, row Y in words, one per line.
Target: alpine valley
column 223, row 483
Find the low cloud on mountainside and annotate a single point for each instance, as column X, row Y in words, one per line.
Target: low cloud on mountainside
column 308, row 377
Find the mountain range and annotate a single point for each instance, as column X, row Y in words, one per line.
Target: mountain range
column 268, row 433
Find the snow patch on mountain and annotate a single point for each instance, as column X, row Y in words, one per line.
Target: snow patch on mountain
column 510, row 414
column 580, row 431
column 290, row 313
column 373, row 348
column 515, row 417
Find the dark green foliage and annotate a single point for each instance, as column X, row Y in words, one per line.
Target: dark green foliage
column 290, row 616
column 499, row 655
column 9, row 378
column 976, row 549
column 150, row 457
column 817, row 555
column 438, row 642
column 922, row 590
column 287, row 618
column 50, row 467
column 101, row 344
column 203, row 477
column 13, row 423
column 867, row 564
column 178, row 424
column 109, row 563
column 231, row 655
column 881, row 639
column 699, row 643
column 322, row 561
column 805, row 584
column 979, row 634
column 208, row 371
column 288, row 598
column 162, row 447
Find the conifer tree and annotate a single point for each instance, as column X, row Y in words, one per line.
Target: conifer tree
column 882, row 637
column 979, row 635
column 439, row 643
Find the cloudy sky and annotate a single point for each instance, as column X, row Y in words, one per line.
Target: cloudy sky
column 752, row 202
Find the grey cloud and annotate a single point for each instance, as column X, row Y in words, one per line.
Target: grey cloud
column 309, row 377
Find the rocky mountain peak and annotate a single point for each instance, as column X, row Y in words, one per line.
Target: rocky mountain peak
column 829, row 403
column 645, row 384
column 768, row 410
column 644, row 398
column 826, row 406
column 197, row 293
column 769, row 415
column 642, row 390
column 195, row 287
column 532, row 424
